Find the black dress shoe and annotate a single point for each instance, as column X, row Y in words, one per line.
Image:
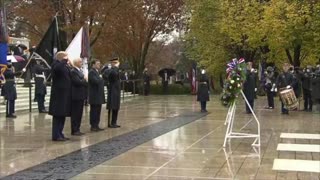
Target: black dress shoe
column 77, row 133
column 11, row 116
column 115, row 126
column 66, row 139
column 59, row 139
column 94, row 129
column 44, row 111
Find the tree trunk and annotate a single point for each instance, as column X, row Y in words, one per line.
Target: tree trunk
column 296, row 58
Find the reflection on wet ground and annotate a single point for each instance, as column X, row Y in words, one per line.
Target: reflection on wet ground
column 193, row 151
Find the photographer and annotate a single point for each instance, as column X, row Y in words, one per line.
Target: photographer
column 306, row 86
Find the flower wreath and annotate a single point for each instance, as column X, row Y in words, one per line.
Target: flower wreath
column 236, row 75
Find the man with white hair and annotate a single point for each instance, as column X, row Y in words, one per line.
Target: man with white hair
column 79, row 86
column 60, row 98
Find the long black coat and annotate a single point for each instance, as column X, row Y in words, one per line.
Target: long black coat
column 250, row 85
column 60, row 98
column 203, row 89
column 79, row 85
column 41, row 87
column 114, row 94
column 315, row 84
column 96, row 88
column 9, row 87
column 284, row 80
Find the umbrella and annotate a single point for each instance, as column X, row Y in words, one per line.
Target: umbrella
column 15, row 58
column 170, row 72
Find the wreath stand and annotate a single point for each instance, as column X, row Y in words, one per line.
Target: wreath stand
column 230, row 133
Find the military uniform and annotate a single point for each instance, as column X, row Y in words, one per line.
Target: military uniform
column 307, row 88
column 249, row 89
column 40, row 86
column 10, row 92
column 283, row 80
column 114, row 95
column 146, row 83
column 203, row 92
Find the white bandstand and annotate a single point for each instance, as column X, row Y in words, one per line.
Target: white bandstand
column 232, row 134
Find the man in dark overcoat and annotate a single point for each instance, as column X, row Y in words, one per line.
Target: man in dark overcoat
column 250, row 87
column 60, row 98
column 114, row 94
column 40, row 85
column 96, row 95
column 79, row 90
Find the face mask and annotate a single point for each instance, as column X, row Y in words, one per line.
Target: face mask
column 203, row 71
column 109, row 66
column 308, row 70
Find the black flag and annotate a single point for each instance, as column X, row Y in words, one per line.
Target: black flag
column 50, row 43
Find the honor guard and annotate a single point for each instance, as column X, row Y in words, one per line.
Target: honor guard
column 40, row 85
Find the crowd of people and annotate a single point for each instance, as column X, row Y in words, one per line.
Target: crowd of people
column 304, row 83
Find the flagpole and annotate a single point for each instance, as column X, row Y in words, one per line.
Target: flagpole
column 29, row 61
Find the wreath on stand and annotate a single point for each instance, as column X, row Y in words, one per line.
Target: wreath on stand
column 236, row 75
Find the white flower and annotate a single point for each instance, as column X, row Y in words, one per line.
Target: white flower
column 232, row 81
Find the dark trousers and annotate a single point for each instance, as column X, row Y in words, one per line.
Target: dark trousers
column 270, row 97
column 95, row 112
column 307, row 99
column 10, row 107
column 165, row 87
column 76, row 115
column 251, row 102
column 114, row 115
column 40, row 100
column 283, row 108
column 57, row 127
column 203, row 105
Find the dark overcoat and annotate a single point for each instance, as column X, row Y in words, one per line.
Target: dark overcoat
column 96, row 88
column 79, row 85
column 250, row 85
column 41, row 87
column 114, row 94
column 203, row 89
column 60, row 97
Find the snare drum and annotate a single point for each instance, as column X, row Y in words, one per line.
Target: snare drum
column 289, row 99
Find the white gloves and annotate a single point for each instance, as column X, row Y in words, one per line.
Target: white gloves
column 255, row 89
column 24, row 70
column 288, row 87
column 275, row 89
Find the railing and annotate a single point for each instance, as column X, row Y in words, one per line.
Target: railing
column 136, row 87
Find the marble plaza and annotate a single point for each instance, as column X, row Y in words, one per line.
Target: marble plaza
column 164, row 138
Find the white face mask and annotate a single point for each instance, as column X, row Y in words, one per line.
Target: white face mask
column 109, row 66
column 203, row 71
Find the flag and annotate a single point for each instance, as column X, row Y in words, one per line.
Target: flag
column 3, row 40
column 80, row 48
column 50, row 43
column 74, row 48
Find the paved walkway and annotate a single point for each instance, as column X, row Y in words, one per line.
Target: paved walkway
column 191, row 149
